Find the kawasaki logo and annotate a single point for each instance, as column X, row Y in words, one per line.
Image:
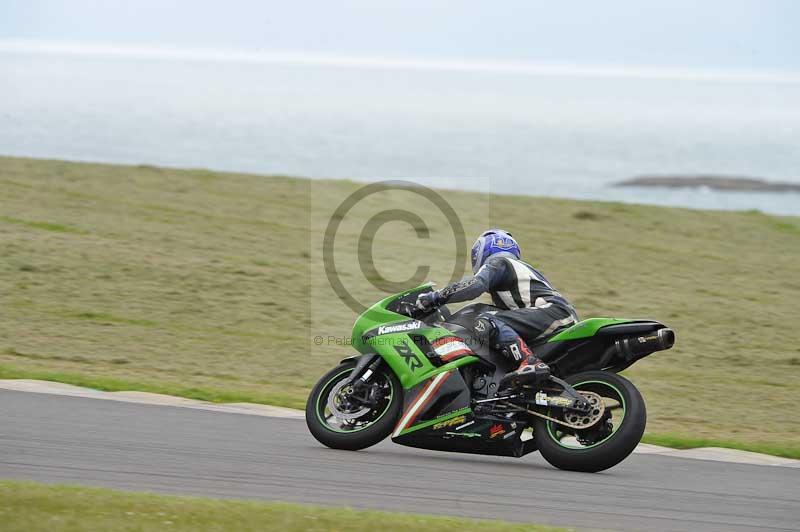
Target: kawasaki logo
column 400, row 327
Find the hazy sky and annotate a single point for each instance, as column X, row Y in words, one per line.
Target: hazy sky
column 702, row 34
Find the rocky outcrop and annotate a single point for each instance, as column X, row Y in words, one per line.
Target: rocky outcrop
column 714, row 182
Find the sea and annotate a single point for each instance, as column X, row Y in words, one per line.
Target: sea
column 510, row 128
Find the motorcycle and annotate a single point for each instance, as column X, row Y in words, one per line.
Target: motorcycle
column 424, row 378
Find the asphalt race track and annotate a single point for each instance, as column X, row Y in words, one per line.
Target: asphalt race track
column 178, row 450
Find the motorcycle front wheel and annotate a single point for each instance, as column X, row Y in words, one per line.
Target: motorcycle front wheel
column 338, row 416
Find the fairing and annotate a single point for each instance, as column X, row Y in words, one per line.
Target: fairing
column 586, row 328
column 399, row 340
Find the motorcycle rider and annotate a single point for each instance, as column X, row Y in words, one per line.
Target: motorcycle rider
column 531, row 308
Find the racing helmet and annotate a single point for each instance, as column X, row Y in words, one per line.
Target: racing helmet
column 490, row 243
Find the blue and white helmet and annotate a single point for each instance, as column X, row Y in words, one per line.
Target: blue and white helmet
column 491, row 242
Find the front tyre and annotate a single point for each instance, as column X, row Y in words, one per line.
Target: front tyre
column 609, row 441
column 342, row 417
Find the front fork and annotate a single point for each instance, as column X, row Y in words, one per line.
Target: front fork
column 359, row 379
column 366, row 365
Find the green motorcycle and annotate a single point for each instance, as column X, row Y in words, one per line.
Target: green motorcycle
column 424, row 379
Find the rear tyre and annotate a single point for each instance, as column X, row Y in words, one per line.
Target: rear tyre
column 604, row 444
column 338, row 421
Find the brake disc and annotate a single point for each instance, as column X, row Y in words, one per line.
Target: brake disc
column 335, row 400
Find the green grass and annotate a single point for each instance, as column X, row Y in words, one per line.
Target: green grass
column 46, row 226
column 211, row 285
column 30, row 507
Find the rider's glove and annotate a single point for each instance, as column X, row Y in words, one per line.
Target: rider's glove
column 429, row 300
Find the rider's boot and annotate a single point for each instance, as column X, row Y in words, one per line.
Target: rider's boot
column 531, row 369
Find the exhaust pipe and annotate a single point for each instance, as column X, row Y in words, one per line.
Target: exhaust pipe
column 635, row 347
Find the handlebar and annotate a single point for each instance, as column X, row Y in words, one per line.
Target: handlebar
column 410, row 309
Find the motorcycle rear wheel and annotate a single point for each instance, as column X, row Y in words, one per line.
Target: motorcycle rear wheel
column 610, row 440
column 328, row 399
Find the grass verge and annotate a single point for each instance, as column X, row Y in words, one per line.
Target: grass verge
column 30, row 507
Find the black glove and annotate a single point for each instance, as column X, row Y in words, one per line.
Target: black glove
column 429, row 300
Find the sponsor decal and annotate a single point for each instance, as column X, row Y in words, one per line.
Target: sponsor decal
column 399, row 327
column 463, row 434
column 450, row 348
column 503, row 243
column 450, row 422
column 542, row 399
column 408, row 354
column 559, row 401
column 496, row 430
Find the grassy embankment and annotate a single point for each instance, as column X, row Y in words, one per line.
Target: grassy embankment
column 209, row 285
column 30, row 507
